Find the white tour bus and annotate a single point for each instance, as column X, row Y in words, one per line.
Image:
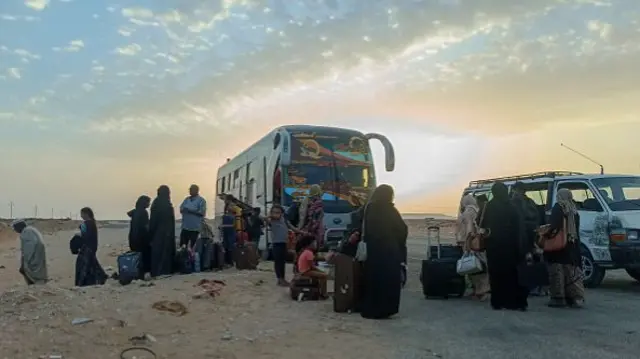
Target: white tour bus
column 281, row 167
column 609, row 208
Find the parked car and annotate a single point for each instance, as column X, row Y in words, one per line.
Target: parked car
column 609, row 207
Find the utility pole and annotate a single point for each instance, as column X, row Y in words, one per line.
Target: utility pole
column 35, row 214
column 585, row 157
column 52, row 213
column 10, row 209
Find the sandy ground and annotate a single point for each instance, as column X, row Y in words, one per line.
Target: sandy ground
column 252, row 318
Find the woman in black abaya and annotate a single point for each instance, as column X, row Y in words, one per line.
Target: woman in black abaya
column 385, row 235
column 504, row 251
column 162, row 231
column 139, row 239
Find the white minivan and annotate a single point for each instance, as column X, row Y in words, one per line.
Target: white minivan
column 609, row 207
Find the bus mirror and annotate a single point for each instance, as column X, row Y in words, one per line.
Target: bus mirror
column 389, row 154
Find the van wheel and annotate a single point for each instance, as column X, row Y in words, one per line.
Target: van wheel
column 634, row 273
column 593, row 273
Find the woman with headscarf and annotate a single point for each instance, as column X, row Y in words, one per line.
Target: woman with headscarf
column 139, row 240
column 467, row 229
column 504, row 252
column 565, row 270
column 385, row 235
column 162, row 231
column 313, row 210
column 33, row 258
column 88, row 269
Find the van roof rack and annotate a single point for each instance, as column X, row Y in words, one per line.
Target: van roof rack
column 529, row 176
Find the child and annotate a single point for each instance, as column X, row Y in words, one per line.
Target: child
column 307, row 266
column 279, row 234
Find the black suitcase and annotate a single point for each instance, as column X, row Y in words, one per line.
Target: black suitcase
column 439, row 276
column 217, row 257
column 206, row 254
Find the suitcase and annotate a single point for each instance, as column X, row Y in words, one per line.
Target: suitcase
column 532, row 274
column 184, row 262
column 129, row 267
column 206, row 254
column 245, row 257
column 439, row 276
column 217, row 257
column 302, row 288
column 347, row 283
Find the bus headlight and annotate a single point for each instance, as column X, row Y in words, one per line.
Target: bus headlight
column 632, row 235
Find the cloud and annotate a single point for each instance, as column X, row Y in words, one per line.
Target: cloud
column 14, row 72
column 129, row 50
column 37, row 5
column 137, row 12
column 74, row 46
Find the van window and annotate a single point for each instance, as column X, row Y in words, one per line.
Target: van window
column 582, row 195
column 538, row 196
column 620, row 193
column 222, row 186
column 488, row 194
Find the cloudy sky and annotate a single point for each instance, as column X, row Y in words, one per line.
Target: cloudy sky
column 103, row 101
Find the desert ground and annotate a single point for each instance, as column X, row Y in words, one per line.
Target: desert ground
column 252, row 318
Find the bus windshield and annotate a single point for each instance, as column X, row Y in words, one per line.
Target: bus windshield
column 340, row 184
column 620, row 193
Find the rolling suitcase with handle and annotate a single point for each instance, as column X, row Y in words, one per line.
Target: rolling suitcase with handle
column 347, row 282
column 439, row 276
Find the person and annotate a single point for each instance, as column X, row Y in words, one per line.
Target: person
column 307, row 265
column 193, row 210
column 530, row 215
column 279, row 235
column 33, row 257
column 228, row 235
column 88, row 269
column 255, row 224
column 565, row 271
column 349, row 245
column 467, row 228
column 293, row 213
column 162, row 231
column 528, row 211
column 503, row 224
column 139, row 240
column 385, row 235
column 313, row 214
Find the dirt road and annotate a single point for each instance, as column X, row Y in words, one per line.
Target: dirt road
column 254, row 319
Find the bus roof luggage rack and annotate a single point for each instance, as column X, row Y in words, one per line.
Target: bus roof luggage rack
column 530, row 176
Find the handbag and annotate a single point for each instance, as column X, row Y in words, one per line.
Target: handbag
column 361, row 252
column 476, row 242
column 533, row 274
column 555, row 243
column 469, row 264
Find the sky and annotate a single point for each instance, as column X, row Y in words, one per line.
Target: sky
column 102, row 101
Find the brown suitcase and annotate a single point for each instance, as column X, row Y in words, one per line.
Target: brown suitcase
column 246, row 257
column 347, row 283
